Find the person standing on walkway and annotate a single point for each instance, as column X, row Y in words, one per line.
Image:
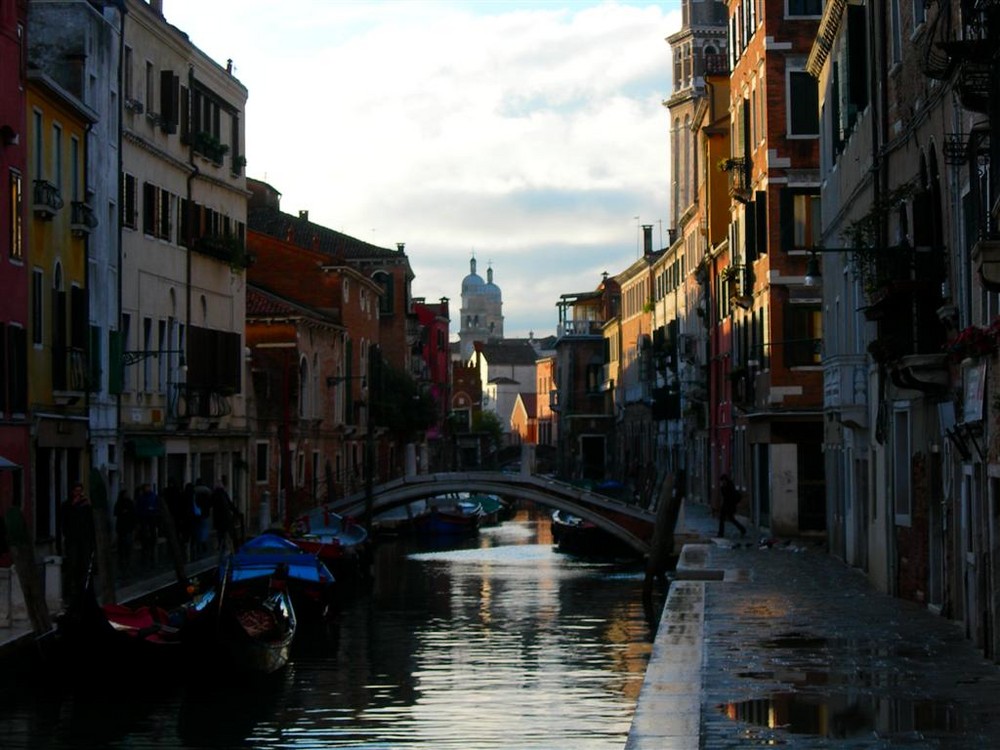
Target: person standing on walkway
column 223, row 512
column 78, row 542
column 147, row 509
column 729, row 500
column 125, row 531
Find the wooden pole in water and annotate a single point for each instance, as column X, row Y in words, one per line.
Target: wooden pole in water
column 23, row 554
column 662, row 547
column 102, row 536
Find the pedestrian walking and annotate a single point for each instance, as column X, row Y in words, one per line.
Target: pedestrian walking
column 147, row 509
column 223, row 515
column 125, row 522
column 203, row 517
column 729, row 500
column 78, row 542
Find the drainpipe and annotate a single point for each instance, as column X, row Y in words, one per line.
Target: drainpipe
column 121, row 169
column 189, row 234
column 880, row 127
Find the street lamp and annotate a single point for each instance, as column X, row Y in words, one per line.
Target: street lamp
column 814, row 275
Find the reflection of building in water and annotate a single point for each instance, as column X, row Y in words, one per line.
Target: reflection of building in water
column 842, row 716
column 482, row 311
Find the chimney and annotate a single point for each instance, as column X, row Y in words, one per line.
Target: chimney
column 304, row 215
column 400, row 246
column 647, row 239
column 157, row 6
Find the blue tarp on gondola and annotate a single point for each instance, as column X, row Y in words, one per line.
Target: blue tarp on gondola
column 265, row 554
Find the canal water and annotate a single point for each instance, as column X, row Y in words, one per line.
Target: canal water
column 492, row 642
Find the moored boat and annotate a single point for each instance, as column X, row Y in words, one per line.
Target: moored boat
column 582, row 538
column 450, row 515
column 401, row 519
column 307, row 578
column 340, row 543
column 251, row 619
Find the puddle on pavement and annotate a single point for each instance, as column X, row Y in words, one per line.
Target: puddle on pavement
column 843, row 716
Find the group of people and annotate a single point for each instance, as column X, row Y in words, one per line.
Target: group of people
column 196, row 511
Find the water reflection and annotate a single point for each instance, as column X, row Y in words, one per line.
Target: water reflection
column 498, row 643
column 844, row 716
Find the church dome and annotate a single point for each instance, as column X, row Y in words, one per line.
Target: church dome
column 473, row 283
column 491, row 289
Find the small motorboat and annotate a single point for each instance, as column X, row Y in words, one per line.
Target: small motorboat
column 339, row 542
column 451, row 515
column 400, row 520
column 577, row 536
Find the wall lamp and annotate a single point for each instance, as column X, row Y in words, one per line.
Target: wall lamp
column 133, row 357
column 332, row 380
column 814, row 275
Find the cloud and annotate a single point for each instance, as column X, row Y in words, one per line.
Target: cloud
column 530, row 133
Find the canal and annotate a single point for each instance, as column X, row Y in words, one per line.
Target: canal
column 491, row 642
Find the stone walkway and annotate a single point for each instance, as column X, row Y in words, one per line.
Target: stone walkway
column 796, row 649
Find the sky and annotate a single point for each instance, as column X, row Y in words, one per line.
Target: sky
column 531, row 135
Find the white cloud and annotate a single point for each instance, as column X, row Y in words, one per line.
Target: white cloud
column 532, row 133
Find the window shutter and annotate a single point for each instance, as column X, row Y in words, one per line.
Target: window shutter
column 148, row 208
column 94, row 360
column 4, row 345
column 786, row 218
column 760, row 222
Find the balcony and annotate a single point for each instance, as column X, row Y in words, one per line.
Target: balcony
column 228, row 249
column 740, row 187
column 928, row 373
column 193, row 401
column 82, row 219
column 739, row 280
column 986, row 259
column 46, row 200
column 580, row 328
column 208, row 146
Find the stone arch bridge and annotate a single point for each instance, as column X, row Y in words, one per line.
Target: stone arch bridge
column 628, row 522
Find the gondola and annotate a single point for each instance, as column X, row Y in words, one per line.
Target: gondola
column 251, row 620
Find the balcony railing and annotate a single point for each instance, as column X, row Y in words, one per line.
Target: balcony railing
column 228, row 249
column 192, row 401
column 739, row 178
column 46, row 199
column 82, row 219
column 580, row 328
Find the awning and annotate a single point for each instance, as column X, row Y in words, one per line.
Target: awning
column 147, row 447
column 6, row 463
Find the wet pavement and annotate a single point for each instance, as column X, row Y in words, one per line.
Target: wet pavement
column 796, row 649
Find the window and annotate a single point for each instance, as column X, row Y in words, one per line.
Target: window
column 156, row 211
column 805, row 7
column 39, row 146
column 147, row 346
column 16, row 207
column 16, row 369
column 37, row 300
column 149, row 86
column 806, row 213
column 57, row 156
column 386, row 301
column 803, row 104
column 896, row 42
column 919, row 12
column 803, row 333
column 262, row 463
column 127, row 73
column 74, row 168
column 128, row 201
